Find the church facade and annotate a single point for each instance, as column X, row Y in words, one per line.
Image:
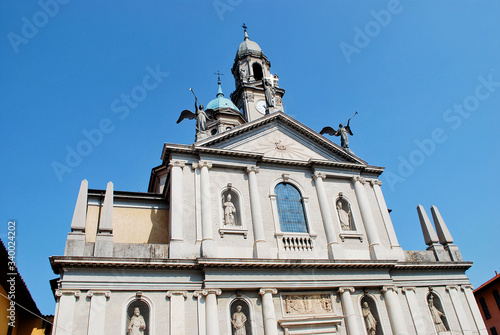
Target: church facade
column 262, row 226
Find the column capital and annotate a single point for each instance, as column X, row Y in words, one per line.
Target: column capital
column 320, row 175
column 349, row 289
column 358, row 178
column 90, row 293
column 194, row 166
column 206, row 164
column 389, row 288
column 374, row 182
column 252, row 168
column 177, row 162
column 467, row 286
column 408, row 288
column 216, row 291
column 171, row 293
column 59, row 293
column 263, row 291
column 451, row 287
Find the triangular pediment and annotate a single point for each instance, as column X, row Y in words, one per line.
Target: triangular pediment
column 279, row 136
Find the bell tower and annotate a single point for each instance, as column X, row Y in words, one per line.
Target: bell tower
column 257, row 91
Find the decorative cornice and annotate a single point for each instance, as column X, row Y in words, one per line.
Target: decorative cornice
column 60, row 262
column 263, row 291
column 171, row 293
column 346, row 288
column 451, row 287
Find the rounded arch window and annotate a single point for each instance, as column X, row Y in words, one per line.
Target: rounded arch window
column 344, row 212
column 231, row 208
column 257, row 71
column 290, row 208
column 137, row 318
column 370, row 316
column 240, row 317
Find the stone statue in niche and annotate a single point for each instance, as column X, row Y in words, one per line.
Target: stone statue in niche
column 436, row 316
column 344, row 211
column 229, row 211
column 137, row 325
column 238, row 321
column 269, row 92
column 370, row 321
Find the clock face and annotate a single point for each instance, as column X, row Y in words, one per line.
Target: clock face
column 261, row 106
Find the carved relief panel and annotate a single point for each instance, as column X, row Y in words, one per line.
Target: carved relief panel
column 301, row 304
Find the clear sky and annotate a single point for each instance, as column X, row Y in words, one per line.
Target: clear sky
column 424, row 77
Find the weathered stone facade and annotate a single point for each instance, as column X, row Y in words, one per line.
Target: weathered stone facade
column 303, row 245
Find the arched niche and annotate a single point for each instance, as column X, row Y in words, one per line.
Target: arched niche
column 236, row 318
column 231, row 208
column 436, row 310
column 368, row 305
column 257, row 71
column 344, row 213
column 144, row 310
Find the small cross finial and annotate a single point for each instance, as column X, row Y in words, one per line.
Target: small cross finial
column 218, row 75
column 244, row 26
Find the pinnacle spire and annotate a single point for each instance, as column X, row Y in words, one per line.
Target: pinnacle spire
column 245, row 30
column 219, row 91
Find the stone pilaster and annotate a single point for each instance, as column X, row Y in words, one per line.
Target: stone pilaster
column 176, row 208
column 97, row 314
column 260, row 249
column 416, row 314
column 394, row 309
column 391, row 233
column 66, row 300
column 177, row 311
column 471, row 301
column 202, row 320
column 268, row 311
column 349, row 311
column 211, row 312
column 334, row 249
column 207, row 246
column 376, row 249
column 459, row 309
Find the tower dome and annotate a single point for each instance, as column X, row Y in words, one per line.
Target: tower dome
column 248, row 47
column 220, row 102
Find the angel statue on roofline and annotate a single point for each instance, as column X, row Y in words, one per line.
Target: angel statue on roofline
column 343, row 132
column 200, row 115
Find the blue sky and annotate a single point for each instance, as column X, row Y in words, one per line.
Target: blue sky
column 424, row 77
